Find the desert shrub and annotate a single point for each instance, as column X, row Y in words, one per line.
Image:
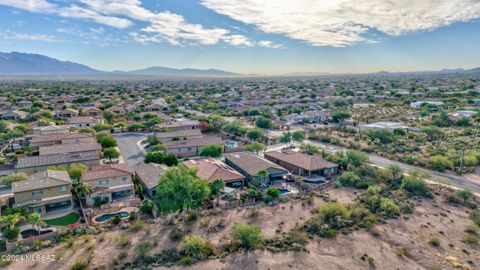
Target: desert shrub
column 273, row 192
column 137, row 226
column 141, row 253
column 389, row 208
column 249, row 236
column 470, row 239
column 434, row 242
column 333, row 214
column 414, row 184
column 293, row 240
column 472, row 229
column 116, row 219
column 192, row 217
column 194, row 249
column 146, row 207
column 176, row 234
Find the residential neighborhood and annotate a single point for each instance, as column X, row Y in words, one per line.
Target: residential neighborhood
column 141, row 154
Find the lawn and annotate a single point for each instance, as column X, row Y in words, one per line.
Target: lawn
column 65, row 220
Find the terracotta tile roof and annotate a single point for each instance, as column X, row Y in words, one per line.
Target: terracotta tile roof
column 105, row 172
column 304, row 161
column 213, row 168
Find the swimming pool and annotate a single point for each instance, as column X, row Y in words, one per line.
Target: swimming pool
column 106, row 217
column 283, row 191
column 231, row 144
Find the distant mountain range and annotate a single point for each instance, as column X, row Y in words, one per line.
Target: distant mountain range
column 18, row 64
column 165, row 71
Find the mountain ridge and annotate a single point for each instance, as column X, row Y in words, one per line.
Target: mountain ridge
column 20, row 64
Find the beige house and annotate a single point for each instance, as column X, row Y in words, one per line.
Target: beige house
column 66, row 138
column 92, row 111
column 109, row 182
column 50, row 130
column 33, row 164
column 84, row 121
column 190, row 147
column 45, row 192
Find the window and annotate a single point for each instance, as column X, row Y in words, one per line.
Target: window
column 103, row 182
column 124, row 178
column 36, row 193
column 63, row 188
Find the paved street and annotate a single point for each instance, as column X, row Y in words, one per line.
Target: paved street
column 131, row 152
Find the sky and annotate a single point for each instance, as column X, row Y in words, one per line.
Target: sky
column 264, row 37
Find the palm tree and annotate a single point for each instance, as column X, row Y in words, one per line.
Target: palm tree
column 11, row 220
column 83, row 189
column 36, row 220
column 216, row 188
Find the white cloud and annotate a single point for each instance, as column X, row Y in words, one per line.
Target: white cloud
column 10, row 35
column 238, row 40
column 73, row 11
column 30, row 5
column 345, row 22
column 269, row 44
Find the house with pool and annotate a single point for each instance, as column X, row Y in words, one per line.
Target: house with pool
column 148, row 175
column 45, row 192
column 309, row 167
column 251, row 166
column 110, row 182
column 213, row 169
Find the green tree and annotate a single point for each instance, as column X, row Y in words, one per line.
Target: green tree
column 274, row 192
column 248, row 235
column 146, row 207
column 216, row 187
column 286, row 138
column 298, row 136
column 309, row 148
column 35, row 220
column 180, row 188
column 75, row 171
column 339, row 117
column 395, row 170
column 356, row 158
column 3, row 126
column 254, row 147
column 170, row 160
column 154, row 157
column 255, row 134
column 11, row 220
column 14, row 177
column 111, row 153
column 211, row 150
column 83, row 189
column 107, row 141
column 263, row 122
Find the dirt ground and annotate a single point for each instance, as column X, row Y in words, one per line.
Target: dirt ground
column 401, row 243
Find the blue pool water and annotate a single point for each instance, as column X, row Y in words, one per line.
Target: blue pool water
column 106, row 217
column 283, row 191
column 231, row 144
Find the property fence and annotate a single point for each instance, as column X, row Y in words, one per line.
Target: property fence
column 29, row 241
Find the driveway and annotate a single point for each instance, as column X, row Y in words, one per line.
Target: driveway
column 129, row 144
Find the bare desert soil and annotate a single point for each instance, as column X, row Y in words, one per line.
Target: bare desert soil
column 401, row 243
